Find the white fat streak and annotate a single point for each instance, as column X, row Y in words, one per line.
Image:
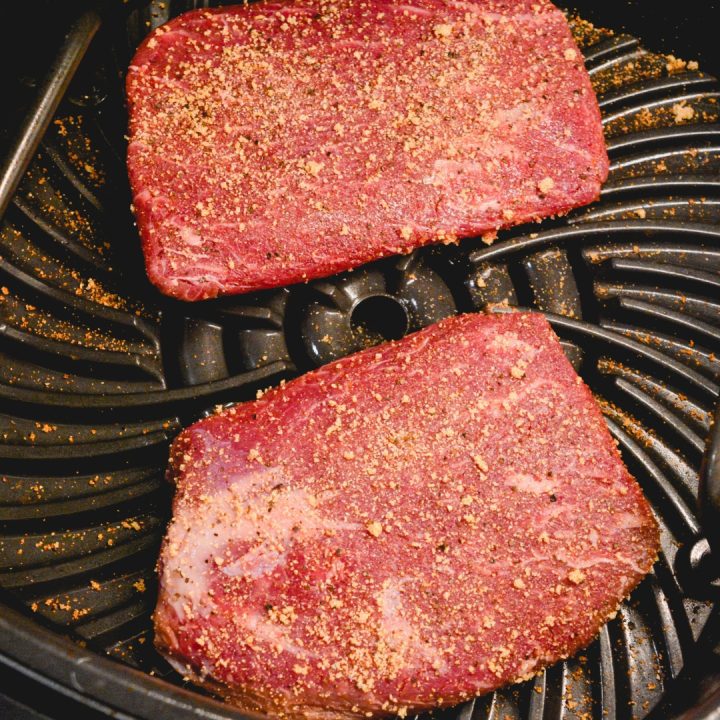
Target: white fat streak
column 411, row 9
column 445, row 171
column 512, row 341
column 523, row 482
column 574, row 149
column 190, row 237
column 400, row 634
column 629, row 521
column 234, row 514
column 527, row 17
column 273, row 635
column 589, row 561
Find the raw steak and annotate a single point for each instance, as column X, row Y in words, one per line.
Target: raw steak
column 406, row 528
column 279, row 142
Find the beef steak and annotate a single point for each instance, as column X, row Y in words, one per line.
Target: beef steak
column 411, row 526
column 278, row 142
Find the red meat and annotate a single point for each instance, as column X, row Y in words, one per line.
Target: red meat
column 279, row 142
column 406, row 528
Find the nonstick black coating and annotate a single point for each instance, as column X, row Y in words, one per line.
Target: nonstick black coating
column 97, row 372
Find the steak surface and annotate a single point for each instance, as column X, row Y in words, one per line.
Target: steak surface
column 414, row 525
column 274, row 143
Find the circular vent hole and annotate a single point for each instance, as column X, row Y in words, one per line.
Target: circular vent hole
column 378, row 318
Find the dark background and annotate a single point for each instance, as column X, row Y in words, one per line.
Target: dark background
column 686, row 28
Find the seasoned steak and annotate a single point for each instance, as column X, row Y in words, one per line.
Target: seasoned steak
column 279, row 142
column 409, row 527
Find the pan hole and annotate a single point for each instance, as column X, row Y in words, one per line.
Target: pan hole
column 379, row 317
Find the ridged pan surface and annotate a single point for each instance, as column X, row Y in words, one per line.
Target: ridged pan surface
column 98, row 372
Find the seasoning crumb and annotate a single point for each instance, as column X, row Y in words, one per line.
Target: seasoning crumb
column 313, row 168
column 675, row 64
column 374, row 528
column 480, row 463
column 546, row 185
column 682, row 112
column 285, row 615
column 576, row 576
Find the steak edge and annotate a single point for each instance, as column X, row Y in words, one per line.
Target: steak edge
column 409, row 527
column 275, row 143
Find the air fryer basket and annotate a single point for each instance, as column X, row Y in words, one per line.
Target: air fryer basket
column 98, row 372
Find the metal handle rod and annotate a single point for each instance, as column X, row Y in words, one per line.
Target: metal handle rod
column 49, row 95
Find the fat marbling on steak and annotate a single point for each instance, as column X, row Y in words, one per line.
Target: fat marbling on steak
column 279, row 142
column 406, row 528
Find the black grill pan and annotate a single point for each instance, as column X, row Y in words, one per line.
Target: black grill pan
column 98, row 372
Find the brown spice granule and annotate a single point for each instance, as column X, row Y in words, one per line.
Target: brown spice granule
column 374, row 528
column 480, row 463
column 683, row 112
column 546, row 185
